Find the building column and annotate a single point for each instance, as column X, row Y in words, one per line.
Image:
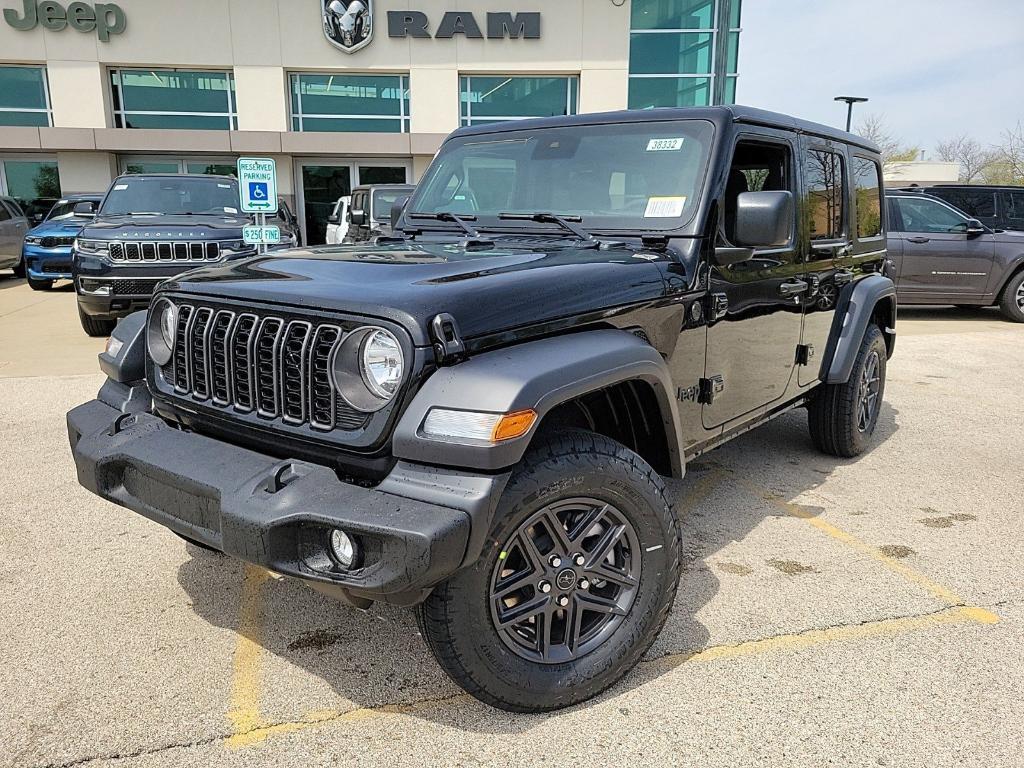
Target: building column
column 434, row 100
column 603, row 90
column 77, row 94
column 261, row 99
column 85, row 171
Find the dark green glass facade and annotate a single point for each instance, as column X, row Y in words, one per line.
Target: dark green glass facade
column 24, row 98
column 490, row 98
column 372, row 103
column 173, row 98
column 683, row 53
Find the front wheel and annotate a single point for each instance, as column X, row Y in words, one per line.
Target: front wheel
column 19, row 268
column 575, row 582
column 842, row 417
column 39, row 285
column 96, row 326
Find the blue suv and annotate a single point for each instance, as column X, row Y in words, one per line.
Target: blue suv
column 46, row 251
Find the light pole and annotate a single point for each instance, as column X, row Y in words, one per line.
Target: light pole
column 850, row 101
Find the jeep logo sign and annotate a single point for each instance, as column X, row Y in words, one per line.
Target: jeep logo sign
column 105, row 19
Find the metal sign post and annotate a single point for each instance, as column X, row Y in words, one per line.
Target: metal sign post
column 257, row 187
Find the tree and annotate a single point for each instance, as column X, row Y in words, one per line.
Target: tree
column 1011, row 153
column 894, row 153
column 973, row 158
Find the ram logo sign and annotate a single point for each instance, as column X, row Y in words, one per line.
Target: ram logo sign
column 348, row 24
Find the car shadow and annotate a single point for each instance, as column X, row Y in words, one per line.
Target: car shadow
column 377, row 658
column 949, row 313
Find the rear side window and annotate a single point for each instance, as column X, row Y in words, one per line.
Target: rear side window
column 977, row 203
column 867, row 189
column 1013, row 203
column 823, row 179
column 4, row 213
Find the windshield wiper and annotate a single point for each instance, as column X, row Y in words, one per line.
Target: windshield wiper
column 565, row 222
column 454, row 218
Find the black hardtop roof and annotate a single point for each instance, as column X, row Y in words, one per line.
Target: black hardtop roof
column 955, row 185
column 214, row 176
column 718, row 115
column 383, row 186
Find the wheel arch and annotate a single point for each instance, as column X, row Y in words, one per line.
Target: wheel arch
column 609, row 381
column 871, row 300
column 1014, row 271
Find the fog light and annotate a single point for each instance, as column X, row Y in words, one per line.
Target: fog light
column 114, row 345
column 344, row 549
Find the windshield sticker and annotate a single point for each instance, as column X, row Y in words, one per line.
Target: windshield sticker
column 224, row 186
column 120, row 187
column 664, row 207
column 230, row 210
column 664, row 145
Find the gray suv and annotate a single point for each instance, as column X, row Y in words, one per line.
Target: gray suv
column 13, row 226
column 940, row 255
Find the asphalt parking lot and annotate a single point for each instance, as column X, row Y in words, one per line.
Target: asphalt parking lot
column 866, row 612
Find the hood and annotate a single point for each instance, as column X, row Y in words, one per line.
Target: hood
column 485, row 291
column 160, row 227
column 59, row 227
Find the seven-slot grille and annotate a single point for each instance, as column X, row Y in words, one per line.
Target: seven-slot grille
column 275, row 367
column 135, row 252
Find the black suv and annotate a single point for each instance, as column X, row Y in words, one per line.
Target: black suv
column 474, row 416
column 152, row 227
column 997, row 207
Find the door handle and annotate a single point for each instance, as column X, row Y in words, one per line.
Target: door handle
column 842, row 277
column 793, row 287
column 918, row 239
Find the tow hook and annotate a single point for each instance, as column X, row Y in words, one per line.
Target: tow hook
column 448, row 345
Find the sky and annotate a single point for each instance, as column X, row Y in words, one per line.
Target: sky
column 933, row 69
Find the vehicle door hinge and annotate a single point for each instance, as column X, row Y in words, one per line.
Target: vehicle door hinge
column 804, row 354
column 708, row 388
column 448, row 345
column 718, row 306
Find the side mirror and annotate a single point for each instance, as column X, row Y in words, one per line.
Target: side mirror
column 85, row 209
column 764, row 219
column 396, row 211
column 333, row 219
column 975, row 227
column 37, row 218
column 358, row 218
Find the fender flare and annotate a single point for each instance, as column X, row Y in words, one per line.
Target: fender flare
column 853, row 315
column 540, row 375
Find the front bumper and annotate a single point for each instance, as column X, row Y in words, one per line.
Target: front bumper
column 47, row 263
column 415, row 528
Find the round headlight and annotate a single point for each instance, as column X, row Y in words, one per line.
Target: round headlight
column 381, row 364
column 367, row 368
column 163, row 322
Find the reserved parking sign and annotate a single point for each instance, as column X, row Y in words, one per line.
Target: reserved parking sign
column 257, row 184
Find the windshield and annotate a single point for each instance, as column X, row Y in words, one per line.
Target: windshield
column 383, row 199
column 624, row 176
column 172, row 195
column 65, row 209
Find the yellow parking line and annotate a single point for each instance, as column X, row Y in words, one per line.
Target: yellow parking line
column 938, row 591
column 244, row 710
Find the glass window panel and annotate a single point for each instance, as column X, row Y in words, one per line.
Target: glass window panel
column 488, row 97
column 23, row 88
column 734, row 13
column 673, row 14
column 730, row 90
column 929, row 216
column 733, row 52
column 19, row 118
column 671, row 53
column 174, row 91
column 212, row 169
column 372, row 95
column 649, row 92
column 823, row 175
column 869, row 198
column 144, row 166
column 29, row 180
column 381, row 174
column 358, row 124
column 179, row 122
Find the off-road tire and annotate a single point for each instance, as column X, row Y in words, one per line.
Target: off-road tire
column 834, row 412
column 38, row 285
column 456, row 619
column 1011, row 303
column 96, row 326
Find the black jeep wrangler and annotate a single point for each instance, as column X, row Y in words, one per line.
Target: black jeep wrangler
column 473, row 416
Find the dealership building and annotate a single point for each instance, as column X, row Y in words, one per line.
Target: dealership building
column 338, row 92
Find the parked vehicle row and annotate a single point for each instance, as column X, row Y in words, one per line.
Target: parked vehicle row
column 13, row 226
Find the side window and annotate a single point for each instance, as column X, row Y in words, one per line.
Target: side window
column 1013, row 204
column 756, row 167
column 867, row 189
column 823, row 177
column 929, row 216
column 979, row 203
column 4, row 213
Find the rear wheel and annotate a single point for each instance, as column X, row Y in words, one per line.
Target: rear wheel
column 96, row 326
column 1012, row 301
column 574, row 584
column 842, row 417
column 19, row 268
column 39, row 285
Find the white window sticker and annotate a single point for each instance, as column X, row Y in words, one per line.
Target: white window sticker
column 120, row 187
column 224, row 186
column 664, row 207
column 230, row 210
column 664, row 145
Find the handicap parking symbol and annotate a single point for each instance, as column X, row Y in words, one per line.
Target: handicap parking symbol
column 258, row 191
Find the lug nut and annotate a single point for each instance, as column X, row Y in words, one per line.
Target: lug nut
column 563, row 600
column 584, row 584
column 555, row 561
column 579, row 559
column 544, row 586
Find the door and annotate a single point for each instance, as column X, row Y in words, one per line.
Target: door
column 322, row 185
column 7, row 236
column 755, row 316
column 940, row 261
